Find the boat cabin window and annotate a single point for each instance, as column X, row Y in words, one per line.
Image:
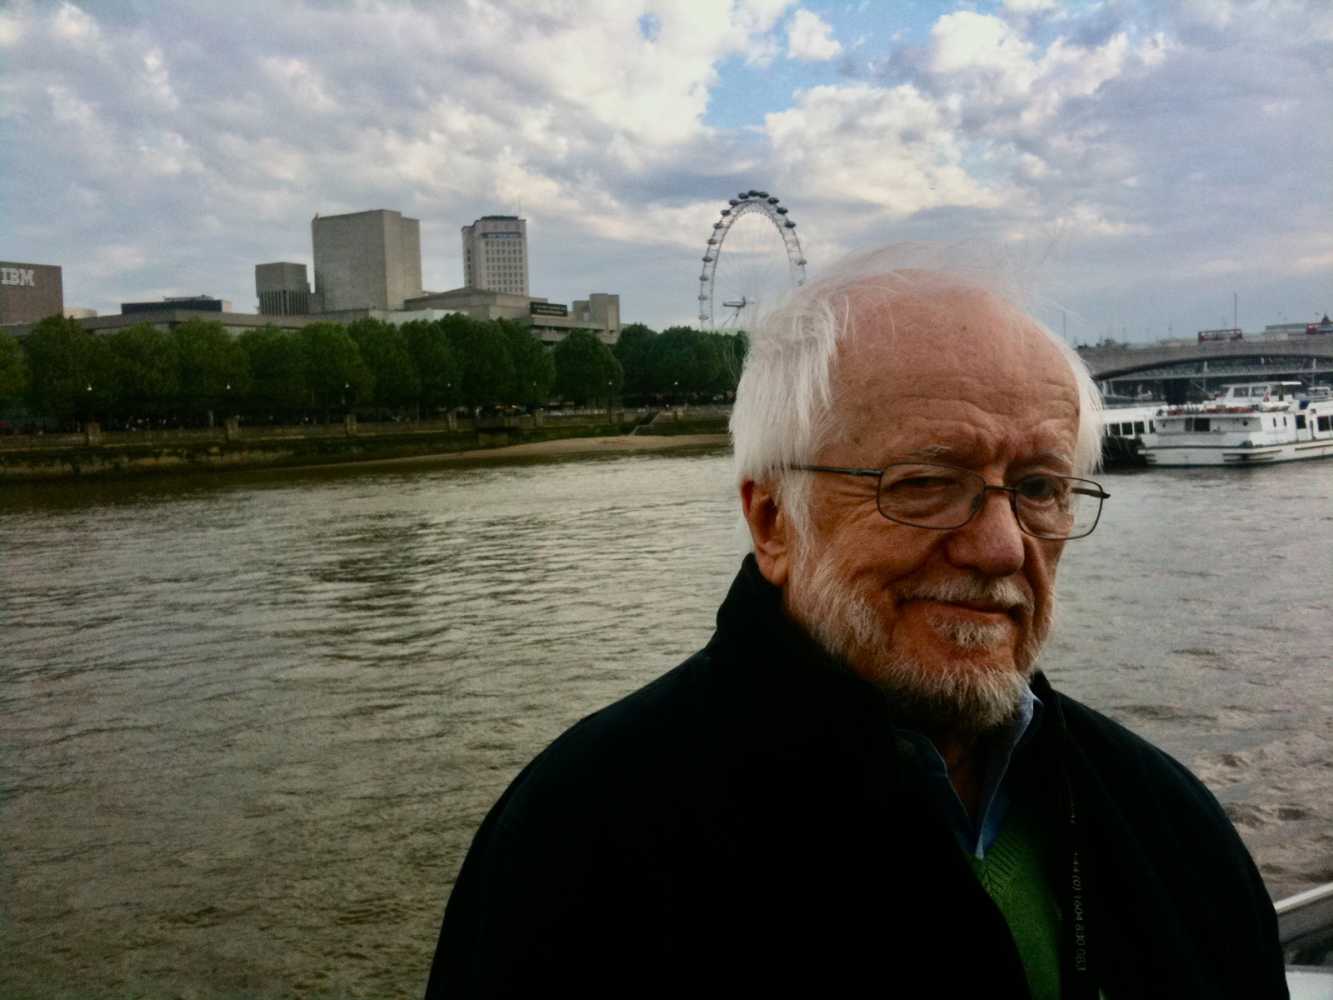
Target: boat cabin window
column 1323, row 423
column 1300, row 421
column 1152, row 427
column 1240, row 391
column 1198, row 424
column 1138, row 426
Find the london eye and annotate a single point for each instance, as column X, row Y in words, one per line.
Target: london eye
column 738, row 299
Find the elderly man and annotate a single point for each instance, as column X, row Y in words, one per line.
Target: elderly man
column 862, row 782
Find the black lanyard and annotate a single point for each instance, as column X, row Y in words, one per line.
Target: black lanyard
column 1077, row 981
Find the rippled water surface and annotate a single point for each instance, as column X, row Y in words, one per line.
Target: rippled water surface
column 248, row 725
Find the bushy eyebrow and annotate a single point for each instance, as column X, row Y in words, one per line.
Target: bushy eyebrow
column 933, row 452
column 928, row 452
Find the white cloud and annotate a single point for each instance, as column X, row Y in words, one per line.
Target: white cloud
column 1315, row 263
column 299, row 83
column 72, row 25
column 971, row 43
column 893, row 148
column 811, row 37
column 1025, row 7
column 167, row 154
column 157, row 80
column 11, row 29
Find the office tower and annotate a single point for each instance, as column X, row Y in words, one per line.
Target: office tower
column 282, row 288
column 495, row 254
column 30, row 292
column 366, row 260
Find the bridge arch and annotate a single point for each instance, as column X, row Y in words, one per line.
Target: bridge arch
column 1173, row 371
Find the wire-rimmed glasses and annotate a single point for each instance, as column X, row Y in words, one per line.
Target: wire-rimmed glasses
column 944, row 497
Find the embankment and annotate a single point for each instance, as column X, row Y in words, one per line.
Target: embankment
column 95, row 454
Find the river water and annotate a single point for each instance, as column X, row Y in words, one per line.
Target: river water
column 249, row 724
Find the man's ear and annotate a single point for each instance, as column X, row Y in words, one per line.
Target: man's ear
column 769, row 528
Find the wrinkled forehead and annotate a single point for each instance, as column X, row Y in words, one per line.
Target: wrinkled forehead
column 936, row 316
column 946, row 342
column 969, row 328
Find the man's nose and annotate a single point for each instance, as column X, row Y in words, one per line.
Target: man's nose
column 992, row 542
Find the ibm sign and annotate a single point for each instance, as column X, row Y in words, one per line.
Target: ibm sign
column 24, row 277
column 29, row 292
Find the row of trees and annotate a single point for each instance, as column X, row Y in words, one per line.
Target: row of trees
column 65, row 373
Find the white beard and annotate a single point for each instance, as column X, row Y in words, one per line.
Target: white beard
column 972, row 696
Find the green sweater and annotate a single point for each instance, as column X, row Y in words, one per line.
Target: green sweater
column 1013, row 873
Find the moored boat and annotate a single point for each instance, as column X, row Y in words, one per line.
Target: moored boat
column 1250, row 423
column 1305, row 929
column 1126, row 430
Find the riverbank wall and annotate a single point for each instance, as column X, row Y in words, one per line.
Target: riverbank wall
column 95, row 454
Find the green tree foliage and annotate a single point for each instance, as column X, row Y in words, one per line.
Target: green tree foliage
column 436, row 365
column 486, row 367
column 685, row 361
column 733, row 348
column 143, row 371
column 583, row 368
column 13, row 369
column 335, row 374
column 213, row 369
column 273, row 374
column 68, row 375
column 277, row 372
column 385, row 353
column 633, row 350
column 534, row 367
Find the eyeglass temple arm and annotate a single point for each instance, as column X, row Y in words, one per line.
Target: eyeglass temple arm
column 844, row 470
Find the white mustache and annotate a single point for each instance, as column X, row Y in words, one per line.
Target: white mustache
column 1003, row 593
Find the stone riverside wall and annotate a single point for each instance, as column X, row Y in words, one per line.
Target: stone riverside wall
column 97, row 454
column 129, row 453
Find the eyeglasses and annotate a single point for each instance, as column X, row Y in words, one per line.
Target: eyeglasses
column 943, row 497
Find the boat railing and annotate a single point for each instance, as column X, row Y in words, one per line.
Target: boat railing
column 1305, row 927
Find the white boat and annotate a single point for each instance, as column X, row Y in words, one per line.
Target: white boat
column 1305, row 930
column 1126, row 431
column 1249, row 423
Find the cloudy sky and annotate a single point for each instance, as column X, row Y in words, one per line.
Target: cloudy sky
column 1146, row 160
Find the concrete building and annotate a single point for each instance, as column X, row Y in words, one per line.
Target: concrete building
column 282, row 289
column 30, row 292
column 495, row 254
column 600, row 313
column 366, row 260
column 550, row 322
column 176, row 303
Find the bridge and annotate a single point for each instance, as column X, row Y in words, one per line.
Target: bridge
column 1172, row 371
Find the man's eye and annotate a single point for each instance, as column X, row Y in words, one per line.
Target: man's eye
column 1040, row 488
column 923, row 484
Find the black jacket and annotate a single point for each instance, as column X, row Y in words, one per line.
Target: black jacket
column 745, row 825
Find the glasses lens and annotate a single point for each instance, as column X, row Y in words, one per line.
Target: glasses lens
column 941, row 496
column 1057, row 506
column 928, row 496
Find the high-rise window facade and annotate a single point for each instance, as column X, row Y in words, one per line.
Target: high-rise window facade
column 495, row 254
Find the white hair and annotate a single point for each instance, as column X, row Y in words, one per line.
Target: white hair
column 784, row 411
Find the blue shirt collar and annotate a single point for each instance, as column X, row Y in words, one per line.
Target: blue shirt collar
column 976, row 838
